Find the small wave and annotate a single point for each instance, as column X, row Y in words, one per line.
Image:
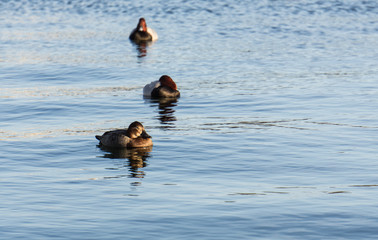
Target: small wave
column 343, row 125
column 235, row 124
column 85, row 129
column 59, row 91
column 305, row 190
column 13, row 135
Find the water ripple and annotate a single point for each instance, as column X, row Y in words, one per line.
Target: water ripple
column 59, row 91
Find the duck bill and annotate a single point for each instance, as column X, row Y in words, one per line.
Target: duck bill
column 145, row 134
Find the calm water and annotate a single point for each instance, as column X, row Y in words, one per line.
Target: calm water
column 274, row 137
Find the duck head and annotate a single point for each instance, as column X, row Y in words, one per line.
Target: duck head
column 136, row 130
column 167, row 81
column 142, row 26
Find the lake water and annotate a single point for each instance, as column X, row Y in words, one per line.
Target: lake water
column 274, row 137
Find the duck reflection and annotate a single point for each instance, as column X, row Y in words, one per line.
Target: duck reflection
column 137, row 158
column 166, row 110
column 142, row 48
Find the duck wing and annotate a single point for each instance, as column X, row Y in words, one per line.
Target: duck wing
column 115, row 139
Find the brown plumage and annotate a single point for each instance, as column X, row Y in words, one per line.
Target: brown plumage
column 134, row 136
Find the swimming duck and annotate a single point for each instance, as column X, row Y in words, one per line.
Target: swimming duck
column 165, row 87
column 133, row 137
column 142, row 33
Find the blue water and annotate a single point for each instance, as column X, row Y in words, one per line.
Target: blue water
column 274, row 137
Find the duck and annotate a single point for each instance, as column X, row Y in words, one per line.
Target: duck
column 133, row 137
column 165, row 87
column 142, row 33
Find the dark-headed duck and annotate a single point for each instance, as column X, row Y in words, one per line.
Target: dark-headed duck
column 133, row 137
column 142, row 33
column 165, row 87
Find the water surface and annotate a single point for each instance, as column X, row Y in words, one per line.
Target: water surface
column 274, row 136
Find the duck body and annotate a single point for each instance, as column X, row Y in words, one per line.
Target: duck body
column 140, row 36
column 147, row 90
column 133, row 137
column 117, row 139
column 164, row 92
column 142, row 33
column 165, row 87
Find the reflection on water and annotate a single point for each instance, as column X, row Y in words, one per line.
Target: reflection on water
column 137, row 158
column 166, row 110
column 142, row 48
